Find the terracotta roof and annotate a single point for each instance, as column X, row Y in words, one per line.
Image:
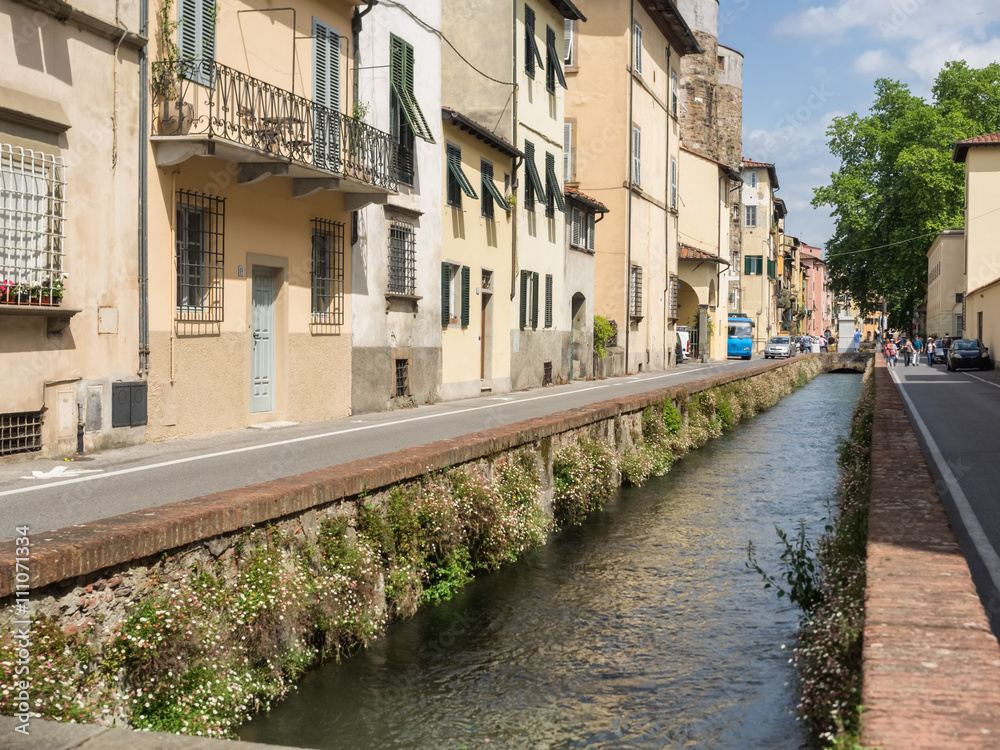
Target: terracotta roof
column 980, row 288
column 569, row 10
column 733, row 173
column 686, row 252
column 481, row 132
column 750, row 164
column 779, row 204
column 572, row 192
column 962, row 147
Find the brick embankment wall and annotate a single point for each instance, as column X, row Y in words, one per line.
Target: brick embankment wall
column 931, row 663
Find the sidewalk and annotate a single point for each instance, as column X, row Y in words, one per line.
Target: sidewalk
column 931, row 663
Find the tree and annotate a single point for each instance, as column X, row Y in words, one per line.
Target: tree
column 898, row 186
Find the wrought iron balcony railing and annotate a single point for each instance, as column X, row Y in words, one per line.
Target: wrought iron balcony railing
column 202, row 97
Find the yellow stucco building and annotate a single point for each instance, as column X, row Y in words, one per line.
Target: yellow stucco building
column 762, row 231
column 946, row 283
column 982, row 227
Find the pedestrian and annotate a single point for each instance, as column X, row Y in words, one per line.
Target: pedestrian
column 857, row 339
column 946, row 345
column 890, row 350
column 918, row 347
column 907, row 352
column 930, row 351
column 822, row 343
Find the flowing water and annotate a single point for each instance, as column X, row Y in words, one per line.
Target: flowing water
column 642, row 628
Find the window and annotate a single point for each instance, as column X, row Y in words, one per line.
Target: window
column 554, row 71
column 548, row 300
column 529, row 300
column 753, row 265
column 637, row 49
column 407, row 121
column 553, row 187
column 751, row 216
column 635, row 292
column 531, row 53
column 569, row 34
column 533, row 190
column 20, row 432
column 326, row 94
column 582, row 228
column 457, row 182
column 636, row 160
column 32, row 212
column 402, row 258
column 673, row 93
column 752, row 179
column 196, row 40
column 200, row 257
column 567, row 152
column 327, row 272
column 455, row 281
column 491, row 195
column 402, row 377
column 675, row 289
column 673, row 184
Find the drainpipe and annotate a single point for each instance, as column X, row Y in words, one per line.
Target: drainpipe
column 514, row 180
column 631, row 147
column 666, row 222
column 143, row 239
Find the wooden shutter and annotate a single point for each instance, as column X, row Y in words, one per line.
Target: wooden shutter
column 196, row 40
column 524, row 299
column 567, row 152
column 445, row 293
column 326, row 96
column 591, row 229
column 402, row 66
column 576, row 223
column 568, row 39
column 555, row 67
column 534, row 300
column 465, row 295
column 531, row 54
column 548, row 300
column 636, row 152
column 553, row 184
column 746, row 265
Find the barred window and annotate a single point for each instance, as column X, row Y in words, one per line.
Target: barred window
column 675, row 288
column 402, row 258
column 327, row 272
column 201, row 223
column 32, row 215
column 635, row 292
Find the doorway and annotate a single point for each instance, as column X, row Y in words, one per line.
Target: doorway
column 262, row 340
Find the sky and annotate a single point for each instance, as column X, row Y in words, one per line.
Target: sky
column 809, row 61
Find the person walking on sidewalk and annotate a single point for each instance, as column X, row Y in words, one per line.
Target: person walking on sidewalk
column 918, row 346
column 890, row 352
column 907, row 352
column 930, row 351
column 946, row 345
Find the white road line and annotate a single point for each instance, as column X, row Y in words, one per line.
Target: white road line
column 306, row 438
column 982, row 543
column 982, row 380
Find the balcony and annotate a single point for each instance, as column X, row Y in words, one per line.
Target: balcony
column 266, row 130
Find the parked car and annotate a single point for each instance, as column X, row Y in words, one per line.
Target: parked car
column 683, row 344
column 968, row 353
column 779, row 346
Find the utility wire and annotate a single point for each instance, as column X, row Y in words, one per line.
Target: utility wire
column 423, row 24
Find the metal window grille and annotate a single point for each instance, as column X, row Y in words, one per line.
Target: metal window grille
column 20, row 432
column 201, row 221
column 546, row 373
column 32, row 224
column 548, row 300
column 402, row 376
column 328, row 272
column 675, row 286
column 402, row 258
column 635, row 293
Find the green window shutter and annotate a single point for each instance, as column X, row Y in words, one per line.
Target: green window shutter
column 746, row 266
column 553, row 184
column 534, row 300
column 490, row 191
column 535, row 190
column 555, row 68
column 196, row 40
column 326, row 96
column 445, row 293
column 531, row 53
column 401, row 78
column 458, row 174
column 524, row 299
column 465, row 295
column 548, row 300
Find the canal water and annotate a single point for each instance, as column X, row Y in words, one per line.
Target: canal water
column 640, row 629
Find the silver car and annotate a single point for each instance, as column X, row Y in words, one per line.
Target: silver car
column 779, row 346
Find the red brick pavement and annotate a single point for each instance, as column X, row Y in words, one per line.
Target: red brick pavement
column 931, row 663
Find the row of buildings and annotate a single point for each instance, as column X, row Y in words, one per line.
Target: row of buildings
column 963, row 266
column 224, row 213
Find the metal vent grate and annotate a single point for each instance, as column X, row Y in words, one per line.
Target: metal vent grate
column 402, row 376
column 20, row 432
column 546, row 373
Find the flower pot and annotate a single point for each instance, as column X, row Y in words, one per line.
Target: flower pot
column 174, row 117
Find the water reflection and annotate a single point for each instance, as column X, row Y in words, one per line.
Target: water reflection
column 642, row 629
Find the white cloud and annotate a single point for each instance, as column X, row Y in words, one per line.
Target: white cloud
column 880, row 63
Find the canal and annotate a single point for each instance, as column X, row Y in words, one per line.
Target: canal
column 640, row 629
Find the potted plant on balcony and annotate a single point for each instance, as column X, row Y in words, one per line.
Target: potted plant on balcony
column 52, row 290
column 7, row 291
column 173, row 114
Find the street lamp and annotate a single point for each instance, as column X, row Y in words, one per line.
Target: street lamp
column 758, row 322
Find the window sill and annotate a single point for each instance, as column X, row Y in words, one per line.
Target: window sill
column 57, row 317
column 396, row 295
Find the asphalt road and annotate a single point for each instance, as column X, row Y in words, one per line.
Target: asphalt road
column 955, row 415
column 50, row 494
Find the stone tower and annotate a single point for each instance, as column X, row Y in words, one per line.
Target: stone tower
column 711, row 88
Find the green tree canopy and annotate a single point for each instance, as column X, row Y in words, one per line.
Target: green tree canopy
column 898, row 186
